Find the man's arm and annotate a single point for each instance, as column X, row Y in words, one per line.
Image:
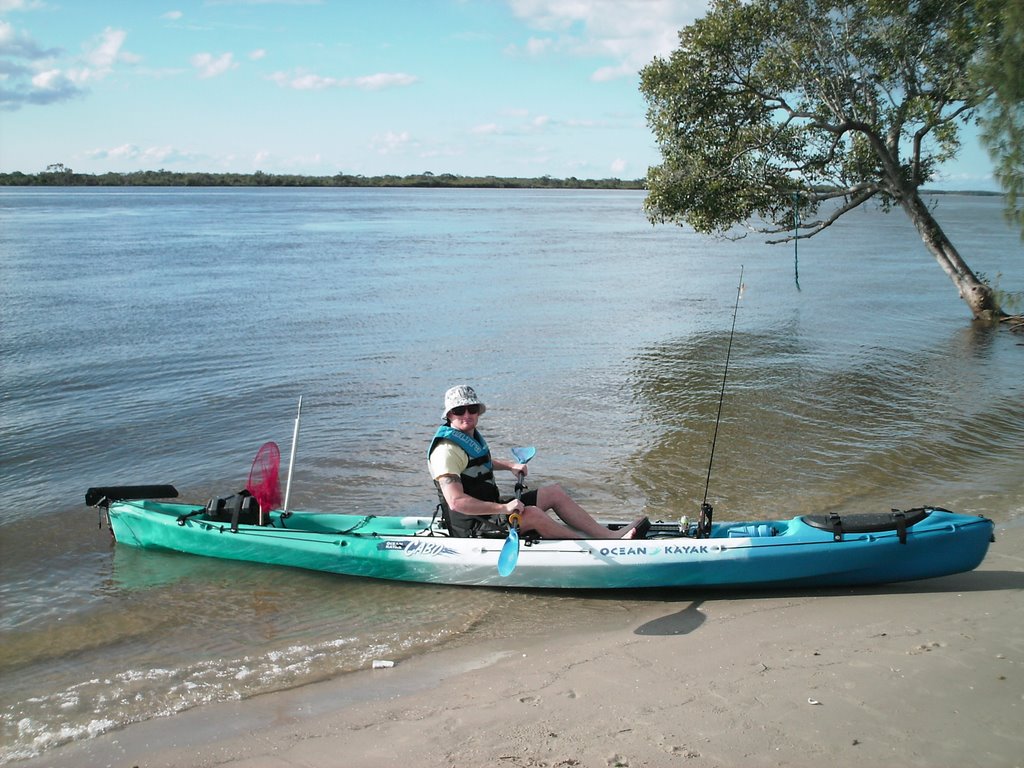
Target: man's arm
column 460, row 501
column 509, row 466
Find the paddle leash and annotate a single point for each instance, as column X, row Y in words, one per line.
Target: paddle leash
column 706, row 511
column 796, row 239
column 291, row 459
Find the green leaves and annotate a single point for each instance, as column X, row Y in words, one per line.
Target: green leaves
column 822, row 97
column 997, row 74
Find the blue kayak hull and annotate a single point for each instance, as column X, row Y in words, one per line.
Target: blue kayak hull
column 798, row 552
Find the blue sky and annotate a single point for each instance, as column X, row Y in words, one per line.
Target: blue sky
column 371, row 87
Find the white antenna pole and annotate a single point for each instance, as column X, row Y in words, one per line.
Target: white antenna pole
column 291, row 460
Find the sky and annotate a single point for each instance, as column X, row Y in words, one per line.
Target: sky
column 368, row 87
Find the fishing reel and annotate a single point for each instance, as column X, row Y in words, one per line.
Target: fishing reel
column 703, row 530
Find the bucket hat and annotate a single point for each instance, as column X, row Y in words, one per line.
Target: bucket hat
column 463, row 394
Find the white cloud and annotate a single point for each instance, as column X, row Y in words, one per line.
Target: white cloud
column 129, row 151
column 20, row 45
column 145, row 157
column 301, row 81
column 19, row 5
column 629, row 32
column 624, row 69
column 107, row 49
column 159, row 155
column 258, row 54
column 552, row 14
column 536, row 46
column 523, row 124
column 385, row 80
column 172, row 15
column 391, row 143
column 48, row 80
column 618, row 166
column 486, row 129
column 35, row 75
column 209, row 65
column 125, row 150
column 305, row 81
column 100, row 56
column 265, row 2
column 578, row 123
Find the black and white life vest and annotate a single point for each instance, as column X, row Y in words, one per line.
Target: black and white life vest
column 477, row 480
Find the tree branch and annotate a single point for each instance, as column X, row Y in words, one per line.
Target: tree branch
column 857, row 196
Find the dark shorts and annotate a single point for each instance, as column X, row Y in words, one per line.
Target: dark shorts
column 529, row 499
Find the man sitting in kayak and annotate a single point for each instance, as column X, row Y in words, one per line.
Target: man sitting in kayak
column 463, row 471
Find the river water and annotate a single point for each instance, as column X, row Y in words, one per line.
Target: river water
column 162, row 335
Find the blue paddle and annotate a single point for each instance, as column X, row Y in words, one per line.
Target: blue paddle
column 510, row 550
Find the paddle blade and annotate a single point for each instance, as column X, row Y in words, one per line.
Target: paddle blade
column 509, row 553
column 524, row 454
column 264, row 478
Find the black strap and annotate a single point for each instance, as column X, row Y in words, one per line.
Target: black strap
column 837, row 526
column 241, row 502
column 898, row 517
column 236, row 510
column 193, row 513
column 357, row 526
column 901, row 524
column 437, row 511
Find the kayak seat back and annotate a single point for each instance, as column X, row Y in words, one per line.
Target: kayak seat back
column 238, row 509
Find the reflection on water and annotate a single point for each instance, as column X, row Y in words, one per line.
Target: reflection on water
column 805, row 429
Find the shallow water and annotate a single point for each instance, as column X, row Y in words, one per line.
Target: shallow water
column 161, row 336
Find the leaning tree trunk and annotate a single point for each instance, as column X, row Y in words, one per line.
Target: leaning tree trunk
column 979, row 296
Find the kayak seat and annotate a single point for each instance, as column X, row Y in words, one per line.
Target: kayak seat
column 868, row 522
column 238, row 509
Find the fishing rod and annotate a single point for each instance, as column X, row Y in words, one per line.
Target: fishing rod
column 706, row 511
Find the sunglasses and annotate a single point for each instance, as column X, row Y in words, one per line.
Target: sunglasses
column 460, row 410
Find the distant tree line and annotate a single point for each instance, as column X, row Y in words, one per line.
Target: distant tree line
column 58, row 174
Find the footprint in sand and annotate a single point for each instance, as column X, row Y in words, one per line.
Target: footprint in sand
column 925, row 648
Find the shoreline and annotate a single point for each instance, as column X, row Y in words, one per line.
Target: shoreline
column 926, row 673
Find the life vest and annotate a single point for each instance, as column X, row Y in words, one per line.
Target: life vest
column 477, row 481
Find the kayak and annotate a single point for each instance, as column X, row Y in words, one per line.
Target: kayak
column 805, row 551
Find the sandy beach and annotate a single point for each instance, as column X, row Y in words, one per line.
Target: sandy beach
column 918, row 674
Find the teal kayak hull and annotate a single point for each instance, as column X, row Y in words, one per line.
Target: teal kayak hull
column 800, row 552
